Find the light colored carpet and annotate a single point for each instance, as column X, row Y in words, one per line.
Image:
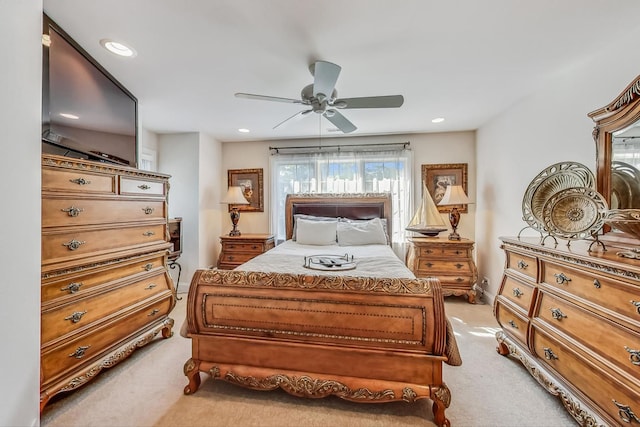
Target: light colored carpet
column 146, row 390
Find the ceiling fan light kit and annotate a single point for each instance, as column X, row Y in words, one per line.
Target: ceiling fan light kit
column 325, row 75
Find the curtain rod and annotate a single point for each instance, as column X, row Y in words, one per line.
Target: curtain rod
column 404, row 145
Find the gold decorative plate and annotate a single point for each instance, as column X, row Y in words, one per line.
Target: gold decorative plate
column 548, row 182
column 575, row 213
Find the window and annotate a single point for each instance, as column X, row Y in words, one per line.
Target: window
column 344, row 172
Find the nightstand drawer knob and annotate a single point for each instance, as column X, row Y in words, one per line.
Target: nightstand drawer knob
column 634, row 356
column 254, row 247
column 561, row 278
column 151, row 286
column 513, row 324
column 148, row 210
column 625, row 413
column 459, row 266
column 549, row 354
column 148, row 266
column 154, row 312
column 148, row 233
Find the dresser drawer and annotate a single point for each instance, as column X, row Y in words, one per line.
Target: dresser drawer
column 138, row 186
column 518, row 292
column 513, row 323
column 60, row 212
column 611, row 341
column 253, row 248
column 587, row 376
column 65, row 245
column 83, row 312
column 522, row 264
column 237, row 259
column 77, row 181
column 614, row 297
column 445, row 279
column 68, row 287
column 86, row 348
column 443, row 252
column 437, row 267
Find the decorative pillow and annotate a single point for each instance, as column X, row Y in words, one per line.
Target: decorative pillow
column 361, row 233
column 296, row 217
column 359, row 221
column 316, row 232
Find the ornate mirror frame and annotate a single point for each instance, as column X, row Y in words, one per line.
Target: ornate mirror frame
column 621, row 113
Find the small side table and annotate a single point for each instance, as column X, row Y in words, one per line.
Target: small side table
column 451, row 261
column 237, row 250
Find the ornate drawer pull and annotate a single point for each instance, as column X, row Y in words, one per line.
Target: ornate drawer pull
column 76, row 316
column 459, row 266
column 151, row 286
column 80, row 181
column 458, row 252
column 79, row 353
column 557, row 314
column 72, row 287
column 561, row 278
column 637, row 304
column 254, row 247
column 459, row 279
column 517, row 292
column 72, row 211
column 148, row 210
column 625, row 413
column 513, row 324
column 429, row 264
column 154, row 312
column 148, row 266
column 634, row 356
column 148, row 233
column 429, row 251
column 230, row 257
column 549, row 354
column 143, row 187
column 522, row 265
column 73, row 244
column 596, row 284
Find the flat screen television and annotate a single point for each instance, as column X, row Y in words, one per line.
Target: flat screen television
column 86, row 112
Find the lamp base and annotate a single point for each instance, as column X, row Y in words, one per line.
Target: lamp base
column 454, row 235
column 235, row 217
column 454, row 219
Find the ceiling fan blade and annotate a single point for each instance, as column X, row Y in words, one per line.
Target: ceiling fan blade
column 296, row 115
column 268, row 98
column 340, row 121
column 390, row 101
column 325, row 76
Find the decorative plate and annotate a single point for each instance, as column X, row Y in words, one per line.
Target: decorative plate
column 330, row 262
column 575, row 213
column 550, row 181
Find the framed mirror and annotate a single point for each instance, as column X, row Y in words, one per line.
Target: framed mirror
column 617, row 137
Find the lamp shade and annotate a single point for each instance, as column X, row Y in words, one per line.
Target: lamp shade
column 234, row 196
column 454, row 195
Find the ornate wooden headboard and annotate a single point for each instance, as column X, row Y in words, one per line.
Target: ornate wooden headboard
column 348, row 205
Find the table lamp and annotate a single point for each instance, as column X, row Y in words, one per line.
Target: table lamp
column 233, row 198
column 454, row 196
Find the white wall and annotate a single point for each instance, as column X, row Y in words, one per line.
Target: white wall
column 20, row 186
column 547, row 127
column 210, row 194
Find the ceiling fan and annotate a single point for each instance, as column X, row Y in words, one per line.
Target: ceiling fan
column 322, row 98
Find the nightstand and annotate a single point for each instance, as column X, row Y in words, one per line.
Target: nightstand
column 240, row 249
column 451, row 261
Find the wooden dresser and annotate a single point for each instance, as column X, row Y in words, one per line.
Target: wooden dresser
column 105, row 289
column 573, row 319
column 240, row 249
column 451, row 261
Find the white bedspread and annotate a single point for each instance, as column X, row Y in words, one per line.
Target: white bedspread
column 370, row 260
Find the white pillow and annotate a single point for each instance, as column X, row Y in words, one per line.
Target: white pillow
column 361, row 233
column 316, row 232
column 296, row 217
column 383, row 221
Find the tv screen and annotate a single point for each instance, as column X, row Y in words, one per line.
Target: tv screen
column 86, row 112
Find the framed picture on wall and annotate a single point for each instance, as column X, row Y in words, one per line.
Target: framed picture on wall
column 250, row 180
column 437, row 177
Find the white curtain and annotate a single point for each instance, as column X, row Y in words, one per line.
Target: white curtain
column 345, row 172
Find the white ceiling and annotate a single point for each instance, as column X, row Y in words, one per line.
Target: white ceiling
column 465, row 60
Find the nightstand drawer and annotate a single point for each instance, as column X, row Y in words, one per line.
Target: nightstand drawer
column 443, row 252
column 433, row 267
column 237, row 250
column 254, row 248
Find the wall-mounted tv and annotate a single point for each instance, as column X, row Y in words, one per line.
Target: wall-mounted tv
column 86, row 112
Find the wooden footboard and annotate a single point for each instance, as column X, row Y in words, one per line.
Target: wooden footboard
column 362, row 339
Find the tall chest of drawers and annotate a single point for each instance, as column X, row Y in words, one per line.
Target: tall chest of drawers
column 572, row 317
column 105, row 289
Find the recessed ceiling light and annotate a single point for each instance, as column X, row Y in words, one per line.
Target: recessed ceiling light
column 118, row 48
column 243, row 130
column 69, row 116
column 438, row 120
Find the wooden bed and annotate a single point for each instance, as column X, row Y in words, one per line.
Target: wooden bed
column 362, row 339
